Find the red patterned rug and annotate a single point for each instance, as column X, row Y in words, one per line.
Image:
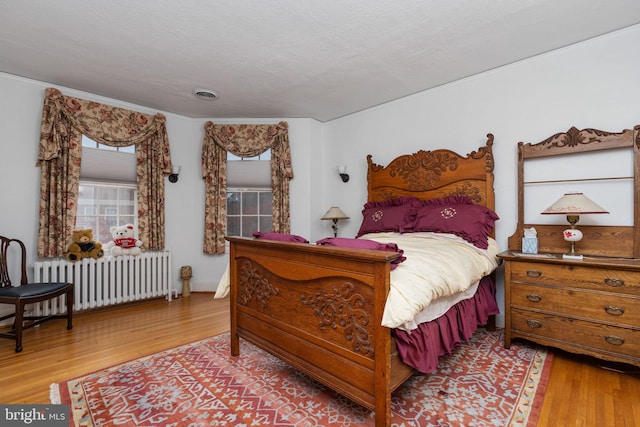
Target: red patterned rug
column 201, row 384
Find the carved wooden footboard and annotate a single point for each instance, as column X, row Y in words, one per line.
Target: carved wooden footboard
column 319, row 309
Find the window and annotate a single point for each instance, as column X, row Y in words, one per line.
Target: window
column 90, row 143
column 104, row 205
column 248, row 210
column 249, row 195
column 107, row 194
column 264, row 156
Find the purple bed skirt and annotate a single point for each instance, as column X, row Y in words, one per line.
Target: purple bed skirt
column 421, row 347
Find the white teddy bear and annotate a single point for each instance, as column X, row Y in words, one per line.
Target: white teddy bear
column 124, row 242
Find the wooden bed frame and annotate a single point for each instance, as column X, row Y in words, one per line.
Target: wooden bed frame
column 319, row 308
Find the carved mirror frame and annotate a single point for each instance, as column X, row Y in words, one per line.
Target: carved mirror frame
column 610, row 241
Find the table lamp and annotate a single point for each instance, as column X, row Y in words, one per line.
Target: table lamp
column 573, row 205
column 335, row 214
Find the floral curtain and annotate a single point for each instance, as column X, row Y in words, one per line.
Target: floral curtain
column 246, row 141
column 64, row 121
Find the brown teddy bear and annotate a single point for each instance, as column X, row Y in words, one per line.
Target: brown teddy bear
column 83, row 246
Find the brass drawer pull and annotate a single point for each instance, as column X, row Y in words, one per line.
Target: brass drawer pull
column 613, row 340
column 534, row 298
column 534, row 324
column 613, row 282
column 614, row 311
column 534, row 273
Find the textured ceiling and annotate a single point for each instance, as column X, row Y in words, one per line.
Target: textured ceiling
column 284, row 58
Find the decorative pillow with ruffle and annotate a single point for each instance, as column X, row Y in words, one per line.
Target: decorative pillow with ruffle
column 397, row 215
column 457, row 215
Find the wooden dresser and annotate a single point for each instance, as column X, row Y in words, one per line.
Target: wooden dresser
column 589, row 306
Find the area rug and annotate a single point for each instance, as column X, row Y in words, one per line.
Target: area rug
column 201, row 384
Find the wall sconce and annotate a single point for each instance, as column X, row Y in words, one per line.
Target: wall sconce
column 175, row 171
column 573, row 205
column 342, row 170
column 335, row 214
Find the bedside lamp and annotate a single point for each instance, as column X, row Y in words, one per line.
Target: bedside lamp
column 335, row 214
column 573, row 205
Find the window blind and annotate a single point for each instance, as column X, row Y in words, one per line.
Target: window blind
column 107, row 165
column 249, row 173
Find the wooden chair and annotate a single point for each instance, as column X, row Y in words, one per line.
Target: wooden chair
column 27, row 293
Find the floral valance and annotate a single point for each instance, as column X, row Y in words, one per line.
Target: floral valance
column 113, row 126
column 246, row 140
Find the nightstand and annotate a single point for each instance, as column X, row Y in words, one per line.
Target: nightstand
column 590, row 307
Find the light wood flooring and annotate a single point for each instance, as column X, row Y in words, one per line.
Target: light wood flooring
column 580, row 392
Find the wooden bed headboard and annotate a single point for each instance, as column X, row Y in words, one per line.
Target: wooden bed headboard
column 433, row 174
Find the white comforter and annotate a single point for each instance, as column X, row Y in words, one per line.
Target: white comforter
column 438, row 267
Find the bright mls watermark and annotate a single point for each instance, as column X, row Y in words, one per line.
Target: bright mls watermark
column 34, row 415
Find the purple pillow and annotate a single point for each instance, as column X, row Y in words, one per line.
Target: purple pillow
column 395, row 215
column 474, row 223
column 365, row 244
column 282, row 237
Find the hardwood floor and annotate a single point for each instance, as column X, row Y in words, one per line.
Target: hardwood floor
column 584, row 391
column 103, row 338
column 580, row 392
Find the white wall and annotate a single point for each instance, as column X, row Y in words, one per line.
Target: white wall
column 594, row 84
column 20, row 116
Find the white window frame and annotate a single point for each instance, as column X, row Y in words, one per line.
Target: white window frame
column 258, row 215
column 120, row 216
column 249, row 174
column 106, row 166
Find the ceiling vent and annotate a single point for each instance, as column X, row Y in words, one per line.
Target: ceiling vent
column 206, row 94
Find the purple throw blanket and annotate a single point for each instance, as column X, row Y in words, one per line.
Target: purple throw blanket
column 281, row 237
column 365, row 244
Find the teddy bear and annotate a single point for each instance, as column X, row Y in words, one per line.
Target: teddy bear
column 124, row 242
column 83, row 246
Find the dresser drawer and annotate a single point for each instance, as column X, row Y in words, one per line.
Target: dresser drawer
column 579, row 333
column 606, row 307
column 577, row 276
